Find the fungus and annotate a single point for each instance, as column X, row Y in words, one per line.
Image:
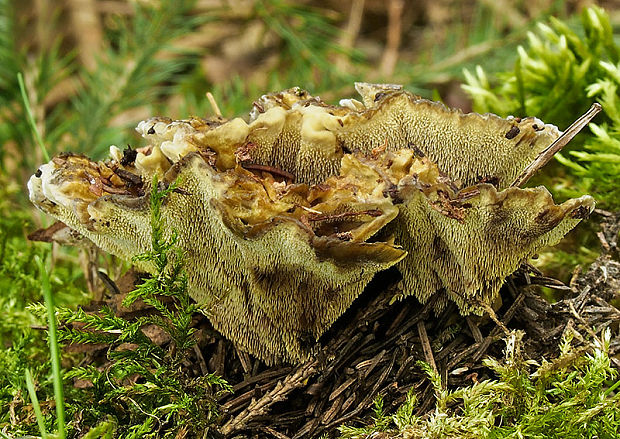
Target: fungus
column 277, row 262
column 285, row 219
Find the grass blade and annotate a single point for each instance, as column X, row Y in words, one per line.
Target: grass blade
column 54, row 349
column 35, row 404
column 33, row 125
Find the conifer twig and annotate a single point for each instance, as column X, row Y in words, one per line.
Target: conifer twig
column 261, row 406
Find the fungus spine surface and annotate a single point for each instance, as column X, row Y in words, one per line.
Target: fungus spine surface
column 284, row 219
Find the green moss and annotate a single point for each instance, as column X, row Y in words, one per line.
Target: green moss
column 556, row 77
column 572, row 397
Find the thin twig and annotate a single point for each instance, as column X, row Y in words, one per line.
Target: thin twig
column 546, row 155
column 267, row 168
column 214, row 106
column 586, row 325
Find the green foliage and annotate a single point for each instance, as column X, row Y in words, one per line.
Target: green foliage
column 556, row 78
column 572, row 397
column 144, row 391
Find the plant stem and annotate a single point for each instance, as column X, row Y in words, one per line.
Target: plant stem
column 35, row 404
column 546, row 155
column 54, row 350
column 33, row 125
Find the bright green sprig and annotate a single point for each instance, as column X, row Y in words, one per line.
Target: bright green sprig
column 165, row 394
column 59, row 399
column 35, row 403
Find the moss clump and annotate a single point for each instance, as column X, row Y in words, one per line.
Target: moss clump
column 556, row 77
column 573, row 396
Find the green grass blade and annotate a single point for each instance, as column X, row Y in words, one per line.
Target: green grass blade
column 33, row 125
column 35, row 404
column 54, row 349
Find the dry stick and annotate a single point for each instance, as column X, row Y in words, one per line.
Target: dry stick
column 390, row 54
column 585, row 324
column 261, row 406
column 546, row 155
column 501, row 326
column 244, row 359
column 475, row 330
column 274, row 433
column 267, row 168
column 349, row 34
column 266, row 375
column 214, row 106
column 426, row 346
column 86, row 30
column 491, row 313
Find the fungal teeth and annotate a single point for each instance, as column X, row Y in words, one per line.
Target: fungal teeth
column 152, row 164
